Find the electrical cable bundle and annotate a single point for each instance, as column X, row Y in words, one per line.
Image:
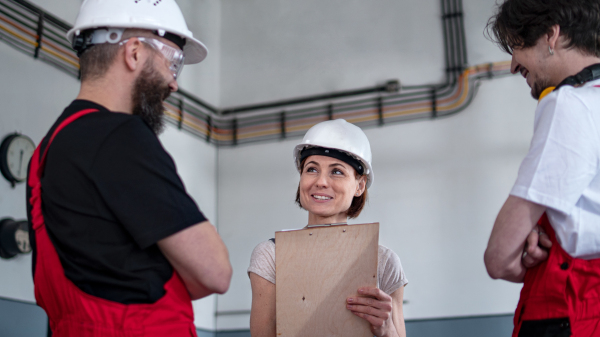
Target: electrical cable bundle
column 37, row 33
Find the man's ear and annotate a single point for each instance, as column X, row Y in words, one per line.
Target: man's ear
column 133, row 53
column 552, row 36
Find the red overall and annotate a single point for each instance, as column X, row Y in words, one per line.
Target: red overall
column 561, row 287
column 73, row 313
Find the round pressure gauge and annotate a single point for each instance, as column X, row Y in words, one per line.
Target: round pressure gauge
column 15, row 152
column 14, row 238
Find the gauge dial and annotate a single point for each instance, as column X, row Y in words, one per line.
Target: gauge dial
column 15, row 152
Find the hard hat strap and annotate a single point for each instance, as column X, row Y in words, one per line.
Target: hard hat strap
column 333, row 153
column 90, row 37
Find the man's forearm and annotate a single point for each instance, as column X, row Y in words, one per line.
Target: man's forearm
column 200, row 257
column 197, row 290
column 515, row 221
column 506, row 269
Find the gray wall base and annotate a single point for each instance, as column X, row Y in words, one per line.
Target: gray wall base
column 18, row 319
column 481, row 326
column 484, row 326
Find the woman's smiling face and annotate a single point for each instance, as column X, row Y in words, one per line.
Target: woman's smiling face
column 327, row 187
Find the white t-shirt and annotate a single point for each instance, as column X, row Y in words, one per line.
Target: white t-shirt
column 561, row 169
column 390, row 273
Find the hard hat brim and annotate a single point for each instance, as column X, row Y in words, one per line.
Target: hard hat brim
column 194, row 51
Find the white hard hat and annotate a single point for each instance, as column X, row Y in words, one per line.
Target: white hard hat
column 156, row 15
column 338, row 135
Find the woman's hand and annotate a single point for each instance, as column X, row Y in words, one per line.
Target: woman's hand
column 376, row 307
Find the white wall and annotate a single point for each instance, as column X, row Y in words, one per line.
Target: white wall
column 34, row 94
column 204, row 20
column 439, row 184
column 273, row 50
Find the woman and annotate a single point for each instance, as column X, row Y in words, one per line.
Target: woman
column 334, row 161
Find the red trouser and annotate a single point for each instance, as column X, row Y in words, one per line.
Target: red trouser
column 73, row 313
column 561, row 296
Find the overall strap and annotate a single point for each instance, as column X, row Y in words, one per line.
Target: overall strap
column 36, row 168
column 61, row 126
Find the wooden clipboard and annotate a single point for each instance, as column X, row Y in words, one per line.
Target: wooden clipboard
column 316, row 270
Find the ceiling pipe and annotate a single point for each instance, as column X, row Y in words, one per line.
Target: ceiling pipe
column 35, row 32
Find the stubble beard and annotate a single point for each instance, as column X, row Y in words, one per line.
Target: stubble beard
column 149, row 93
column 539, row 87
column 540, row 84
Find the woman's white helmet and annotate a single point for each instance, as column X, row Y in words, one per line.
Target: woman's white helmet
column 156, row 15
column 342, row 136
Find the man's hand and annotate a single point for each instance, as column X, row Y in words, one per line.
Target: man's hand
column 536, row 248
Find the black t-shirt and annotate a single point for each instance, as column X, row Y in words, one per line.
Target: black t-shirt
column 109, row 192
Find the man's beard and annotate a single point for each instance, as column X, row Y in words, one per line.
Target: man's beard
column 149, row 92
column 539, row 86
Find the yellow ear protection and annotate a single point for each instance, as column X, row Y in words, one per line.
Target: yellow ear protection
column 545, row 93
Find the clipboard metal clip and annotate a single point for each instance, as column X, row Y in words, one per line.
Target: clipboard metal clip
column 328, row 225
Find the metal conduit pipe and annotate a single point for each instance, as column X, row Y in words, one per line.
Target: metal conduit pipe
column 39, row 34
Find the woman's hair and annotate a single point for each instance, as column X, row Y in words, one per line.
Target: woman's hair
column 358, row 203
column 520, row 23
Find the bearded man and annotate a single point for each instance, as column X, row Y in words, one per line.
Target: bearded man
column 120, row 248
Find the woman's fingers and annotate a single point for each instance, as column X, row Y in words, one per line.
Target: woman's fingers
column 368, row 302
column 374, row 306
column 377, row 306
column 374, row 292
column 372, row 297
column 369, row 311
column 373, row 320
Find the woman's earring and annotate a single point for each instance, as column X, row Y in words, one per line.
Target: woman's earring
column 550, row 50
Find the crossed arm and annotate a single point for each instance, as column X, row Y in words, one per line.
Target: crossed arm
column 200, row 257
column 382, row 311
column 513, row 233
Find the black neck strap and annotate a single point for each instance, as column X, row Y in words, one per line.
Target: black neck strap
column 587, row 74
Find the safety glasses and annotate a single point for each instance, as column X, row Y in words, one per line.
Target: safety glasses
column 175, row 56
